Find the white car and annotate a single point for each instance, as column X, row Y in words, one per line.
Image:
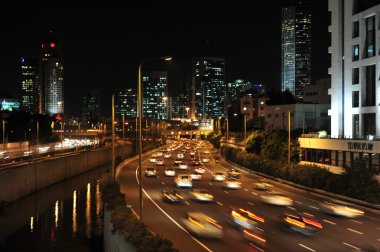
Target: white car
column 178, row 161
column 202, row 225
column 201, row 195
column 152, row 160
column 200, row 170
column 278, row 199
column 232, row 184
column 192, row 153
column 219, row 176
column 183, row 166
column 183, row 180
column 205, row 160
column 150, row 172
column 167, row 155
column 159, row 154
column 206, row 152
column 169, row 172
column 160, row 162
column 195, row 176
column 340, row 210
column 180, row 156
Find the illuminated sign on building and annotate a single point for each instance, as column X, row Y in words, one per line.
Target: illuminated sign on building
column 9, row 104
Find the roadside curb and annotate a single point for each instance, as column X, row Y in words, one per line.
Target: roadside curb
column 317, row 191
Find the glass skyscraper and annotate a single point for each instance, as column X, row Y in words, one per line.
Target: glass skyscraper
column 209, row 88
column 125, row 102
column 51, row 77
column 155, row 94
column 296, row 48
column 29, row 85
column 91, row 107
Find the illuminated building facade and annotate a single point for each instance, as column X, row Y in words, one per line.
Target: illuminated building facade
column 209, row 88
column 51, row 77
column 125, row 102
column 155, row 94
column 296, row 48
column 29, row 85
column 180, row 102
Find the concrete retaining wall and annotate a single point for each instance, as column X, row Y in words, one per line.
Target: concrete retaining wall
column 19, row 181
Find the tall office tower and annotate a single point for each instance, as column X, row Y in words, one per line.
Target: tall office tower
column 51, row 77
column 29, row 85
column 208, row 88
column 125, row 102
column 233, row 91
column 91, row 107
column 155, row 94
column 181, row 102
column 355, row 63
column 296, row 48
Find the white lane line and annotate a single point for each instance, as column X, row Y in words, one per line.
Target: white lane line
column 254, row 193
column 187, row 203
column 219, row 203
column 291, row 208
column 359, row 222
column 378, row 240
column 260, row 229
column 352, row 246
column 298, row 202
column 308, row 214
column 227, row 192
column 256, row 247
column 245, row 189
column 175, row 222
column 163, row 182
column 210, row 183
column 310, row 249
column 355, row 231
column 330, row 222
column 250, row 203
column 314, row 207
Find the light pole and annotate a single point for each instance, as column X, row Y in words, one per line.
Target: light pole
column 38, row 132
column 113, row 136
column 187, row 112
column 245, row 127
column 288, row 137
column 227, row 130
column 3, row 135
column 140, row 107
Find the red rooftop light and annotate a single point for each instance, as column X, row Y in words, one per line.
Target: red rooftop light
column 52, row 45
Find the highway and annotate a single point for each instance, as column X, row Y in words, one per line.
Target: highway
column 337, row 234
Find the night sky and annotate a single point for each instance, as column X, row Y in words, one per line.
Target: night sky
column 103, row 45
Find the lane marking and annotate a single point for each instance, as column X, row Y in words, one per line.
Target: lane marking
column 227, row 192
column 256, row 247
column 355, row 231
column 174, row 221
column 163, row 182
column 314, row 207
column 187, row 203
column 308, row 214
column 310, row 249
column 245, row 189
column 250, row 203
column 254, row 193
column 210, row 183
column 260, row 229
column 352, row 246
column 378, row 240
column 291, row 208
column 298, row 202
column 219, row 203
column 330, row 222
column 359, row 222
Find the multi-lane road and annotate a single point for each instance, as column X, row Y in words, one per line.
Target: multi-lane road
column 337, row 234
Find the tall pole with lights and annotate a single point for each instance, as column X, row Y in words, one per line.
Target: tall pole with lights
column 3, row 135
column 245, row 127
column 113, row 136
column 288, row 137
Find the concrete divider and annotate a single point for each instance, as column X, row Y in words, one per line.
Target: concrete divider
column 19, row 181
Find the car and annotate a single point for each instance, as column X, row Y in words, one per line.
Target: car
column 202, row 225
column 234, row 173
column 169, row 172
column 262, row 185
column 183, row 166
column 160, row 162
column 195, row 176
column 183, row 180
column 180, row 156
column 255, row 236
column 300, row 223
column 192, row 153
column 196, row 163
column 170, row 195
column 340, row 209
column 152, row 160
column 232, row 183
column 219, row 177
column 177, row 161
column 243, row 219
column 150, row 172
column 167, row 155
column 201, row 195
column 159, row 154
column 275, row 198
column 206, row 152
column 205, row 160
column 200, row 170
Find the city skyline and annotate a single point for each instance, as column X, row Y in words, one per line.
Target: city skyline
column 111, row 42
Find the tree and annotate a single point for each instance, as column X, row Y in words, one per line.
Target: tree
column 253, row 144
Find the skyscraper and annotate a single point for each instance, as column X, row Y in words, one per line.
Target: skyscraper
column 51, row 77
column 208, row 88
column 91, row 107
column 180, row 102
column 296, row 48
column 155, row 94
column 125, row 102
column 29, row 85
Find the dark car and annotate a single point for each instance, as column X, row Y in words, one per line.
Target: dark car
column 171, row 196
column 300, row 223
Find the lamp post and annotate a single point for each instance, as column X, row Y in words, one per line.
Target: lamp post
column 245, row 127
column 288, row 137
column 3, row 135
column 38, row 132
column 140, row 107
column 227, row 130
column 187, row 112
column 113, row 136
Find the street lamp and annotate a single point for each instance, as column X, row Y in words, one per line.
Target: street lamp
column 187, row 112
column 140, row 108
column 113, row 136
